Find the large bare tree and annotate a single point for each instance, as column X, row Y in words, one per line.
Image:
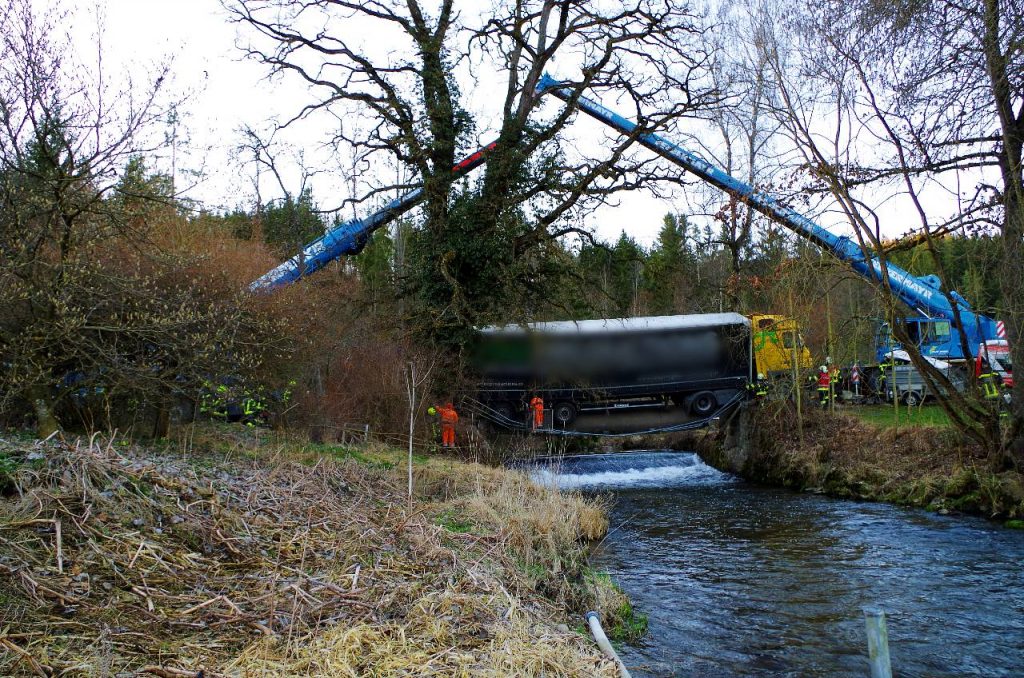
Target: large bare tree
column 394, row 65
column 916, row 100
column 742, row 142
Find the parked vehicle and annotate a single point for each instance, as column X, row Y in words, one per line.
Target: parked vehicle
column 777, row 342
column 699, row 362
column 903, row 382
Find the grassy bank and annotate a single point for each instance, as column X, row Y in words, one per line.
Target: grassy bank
column 862, row 455
column 887, row 416
column 246, row 554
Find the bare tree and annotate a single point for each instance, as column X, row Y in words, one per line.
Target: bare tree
column 650, row 52
column 743, row 143
column 94, row 311
column 899, row 100
column 281, row 161
column 398, row 82
column 63, row 140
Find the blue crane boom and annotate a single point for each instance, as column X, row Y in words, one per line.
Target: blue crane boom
column 921, row 293
column 351, row 237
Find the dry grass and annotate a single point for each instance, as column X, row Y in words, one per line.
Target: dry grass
column 432, row 642
column 258, row 557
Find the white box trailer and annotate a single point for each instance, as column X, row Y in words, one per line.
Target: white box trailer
column 904, row 382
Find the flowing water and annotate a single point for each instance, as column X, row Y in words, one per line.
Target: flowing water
column 738, row 580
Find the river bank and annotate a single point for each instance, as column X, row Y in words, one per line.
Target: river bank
column 840, row 455
column 243, row 552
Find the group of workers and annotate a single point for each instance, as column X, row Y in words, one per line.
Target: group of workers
column 826, row 381
column 227, row 400
column 449, row 418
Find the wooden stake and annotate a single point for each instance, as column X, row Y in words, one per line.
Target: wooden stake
column 412, row 418
column 60, row 550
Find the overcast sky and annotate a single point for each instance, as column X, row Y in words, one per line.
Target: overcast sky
column 226, row 92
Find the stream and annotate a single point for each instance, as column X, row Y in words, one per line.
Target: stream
column 738, row 580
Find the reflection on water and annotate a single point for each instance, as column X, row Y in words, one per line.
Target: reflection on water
column 740, row 580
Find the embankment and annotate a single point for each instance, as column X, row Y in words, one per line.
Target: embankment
column 243, row 553
column 842, row 456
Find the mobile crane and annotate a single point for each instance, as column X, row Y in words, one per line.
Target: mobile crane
column 934, row 330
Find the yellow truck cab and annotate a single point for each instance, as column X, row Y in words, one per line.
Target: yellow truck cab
column 776, row 341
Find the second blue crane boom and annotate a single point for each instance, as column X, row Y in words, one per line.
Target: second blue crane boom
column 923, row 294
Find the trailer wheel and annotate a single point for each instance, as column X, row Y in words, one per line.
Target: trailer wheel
column 703, row 404
column 504, row 412
column 564, row 413
column 912, row 398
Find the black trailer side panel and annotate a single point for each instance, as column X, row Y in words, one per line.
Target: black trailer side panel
column 584, row 363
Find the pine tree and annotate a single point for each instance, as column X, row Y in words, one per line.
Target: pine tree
column 668, row 266
column 290, row 223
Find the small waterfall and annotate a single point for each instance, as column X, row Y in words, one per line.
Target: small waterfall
column 627, row 470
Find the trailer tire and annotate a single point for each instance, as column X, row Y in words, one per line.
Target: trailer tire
column 499, row 415
column 564, row 413
column 912, row 398
column 704, row 403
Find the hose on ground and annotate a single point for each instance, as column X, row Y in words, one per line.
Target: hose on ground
column 594, row 622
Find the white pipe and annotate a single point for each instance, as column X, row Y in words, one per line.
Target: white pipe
column 594, row 622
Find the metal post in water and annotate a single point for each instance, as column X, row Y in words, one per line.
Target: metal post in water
column 878, row 643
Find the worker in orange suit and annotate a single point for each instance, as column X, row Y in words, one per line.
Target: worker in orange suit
column 449, row 417
column 537, row 407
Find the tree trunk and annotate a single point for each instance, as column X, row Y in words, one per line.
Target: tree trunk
column 162, row 422
column 1012, row 282
column 999, row 67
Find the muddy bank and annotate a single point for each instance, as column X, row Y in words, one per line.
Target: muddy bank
column 841, row 456
column 245, row 553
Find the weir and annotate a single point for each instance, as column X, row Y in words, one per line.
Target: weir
column 641, row 469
